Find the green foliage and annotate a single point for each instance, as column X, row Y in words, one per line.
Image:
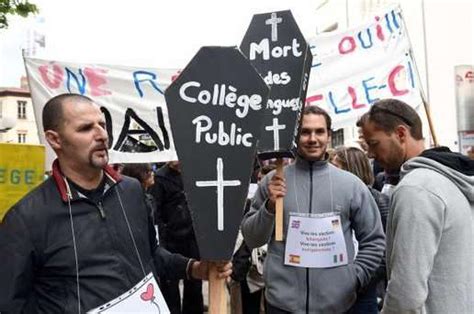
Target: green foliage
column 15, row 7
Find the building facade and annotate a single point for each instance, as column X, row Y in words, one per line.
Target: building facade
column 16, row 108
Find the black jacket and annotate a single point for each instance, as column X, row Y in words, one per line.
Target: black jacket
column 446, row 157
column 172, row 213
column 38, row 272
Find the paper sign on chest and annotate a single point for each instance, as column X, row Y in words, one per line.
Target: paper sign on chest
column 277, row 49
column 216, row 109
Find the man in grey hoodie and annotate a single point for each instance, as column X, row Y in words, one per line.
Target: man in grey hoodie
column 296, row 279
column 430, row 243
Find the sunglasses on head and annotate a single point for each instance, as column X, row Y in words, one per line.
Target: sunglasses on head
column 376, row 109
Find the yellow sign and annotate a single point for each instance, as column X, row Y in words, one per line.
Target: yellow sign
column 21, row 170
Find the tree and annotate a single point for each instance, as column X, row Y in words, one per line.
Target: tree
column 15, row 7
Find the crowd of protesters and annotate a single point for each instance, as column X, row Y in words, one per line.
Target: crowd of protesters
column 404, row 213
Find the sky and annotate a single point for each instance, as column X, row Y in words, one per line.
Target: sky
column 152, row 33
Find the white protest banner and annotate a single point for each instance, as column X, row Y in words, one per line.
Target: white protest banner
column 353, row 69
column 132, row 100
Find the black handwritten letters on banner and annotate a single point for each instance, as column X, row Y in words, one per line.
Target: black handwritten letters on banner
column 277, row 49
column 216, row 107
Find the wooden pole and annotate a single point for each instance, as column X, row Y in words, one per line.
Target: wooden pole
column 279, row 206
column 217, row 293
column 430, row 121
column 422, row 94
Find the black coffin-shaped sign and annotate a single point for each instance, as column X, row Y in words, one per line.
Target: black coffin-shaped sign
column 216, row 107
column 277, row 49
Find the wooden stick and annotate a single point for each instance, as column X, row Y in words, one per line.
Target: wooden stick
column 422, row 93
column 217, row 293
column 430, row 121
column 279, row 206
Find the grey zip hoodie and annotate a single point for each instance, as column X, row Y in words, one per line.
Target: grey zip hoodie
column 317, row 187
column 430, row 256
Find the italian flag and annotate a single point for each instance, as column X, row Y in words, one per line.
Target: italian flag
column 341, row 258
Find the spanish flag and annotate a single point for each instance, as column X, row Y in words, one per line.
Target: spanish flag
column 294, row 259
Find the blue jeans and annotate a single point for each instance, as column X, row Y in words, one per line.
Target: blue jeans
column 366, row 302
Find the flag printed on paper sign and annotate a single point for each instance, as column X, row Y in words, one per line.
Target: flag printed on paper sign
column 295, row 224
column 341, row 258
column 294, row 259
column 335, row 223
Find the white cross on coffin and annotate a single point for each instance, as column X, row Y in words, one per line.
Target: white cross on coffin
column 275, row 127
column 274, row 21
column 220, row 183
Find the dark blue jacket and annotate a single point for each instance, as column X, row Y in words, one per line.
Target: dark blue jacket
column 38, row 272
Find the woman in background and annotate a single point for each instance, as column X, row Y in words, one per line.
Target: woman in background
column 144, row 174
column 354, row 160
column 141, row 172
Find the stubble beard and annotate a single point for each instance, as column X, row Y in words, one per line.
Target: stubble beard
column 397, row 158
column 98, row 162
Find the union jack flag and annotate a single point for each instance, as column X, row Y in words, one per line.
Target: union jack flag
column 295, row 224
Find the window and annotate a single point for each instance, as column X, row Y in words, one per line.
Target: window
column 21, row 109
column 21, row 137
column 337, row 138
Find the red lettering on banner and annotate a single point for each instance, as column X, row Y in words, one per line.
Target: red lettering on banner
column 312, row 99
column 351, row 41
column 391, row 82
column 353, row 95
column 58, row 74
column 469, row 76
column 96, row 78
column 175, row 76
column 379, row 30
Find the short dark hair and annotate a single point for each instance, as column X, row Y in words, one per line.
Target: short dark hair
column 312, row 109
column 53, row 110
column 138, row 171
column 362, row 120
column 387, row 114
